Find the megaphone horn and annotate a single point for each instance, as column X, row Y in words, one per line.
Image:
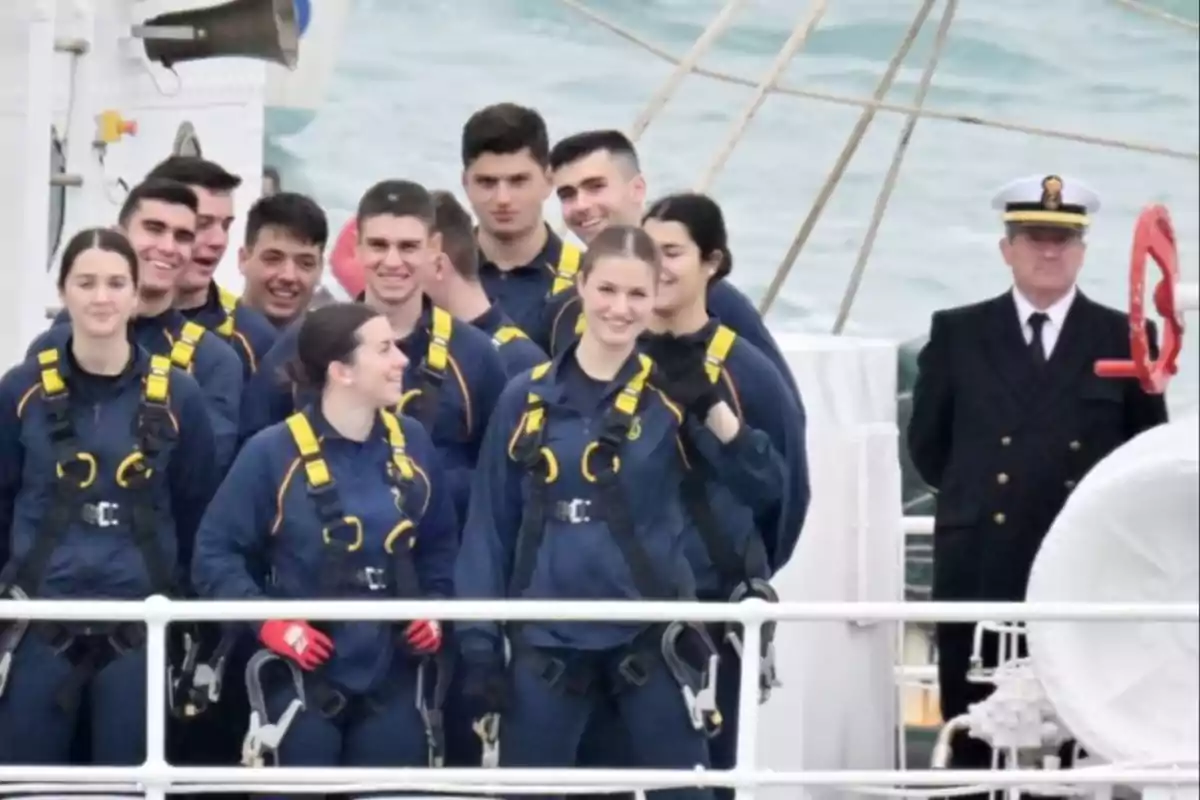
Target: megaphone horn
column 261, row 29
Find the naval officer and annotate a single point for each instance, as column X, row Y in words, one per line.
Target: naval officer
column 1008, row 415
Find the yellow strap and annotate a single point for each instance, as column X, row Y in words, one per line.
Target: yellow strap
column 158, row 381
column 441, row 328
column 184, row 349
column 718, row 350
column 631, row 393
column 52, row 381
column 229, row 303
column 310, row 451
column 580, row 325
column 508, row 333
column 400, row 457
column 566, row 269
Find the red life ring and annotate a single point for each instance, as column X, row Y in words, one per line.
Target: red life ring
column 1153, row 237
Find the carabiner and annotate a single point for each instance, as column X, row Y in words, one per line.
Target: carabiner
column 697, row 682
column 768, row 675
column 263, row 737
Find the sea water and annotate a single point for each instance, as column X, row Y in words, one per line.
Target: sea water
column 412, row 72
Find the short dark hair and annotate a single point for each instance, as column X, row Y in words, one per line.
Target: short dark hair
column 327, row 334
column 505, row 128
column 106, row 239
column 160, row 189
column 397, row 199
column 295, row 214
column 196, row 171
column 581, row 145
column 621, row 240
column 458, row 234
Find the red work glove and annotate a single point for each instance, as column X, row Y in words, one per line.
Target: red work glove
column 297, row 641
column 424, row 635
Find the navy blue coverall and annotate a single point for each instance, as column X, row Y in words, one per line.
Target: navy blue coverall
column 211, row 361
column 528, row 293
column 395, row 535
column 451, row 385
column 732, row 541
column 247, row 331
column 549, row 519
column 517, row 350
column 107, row 528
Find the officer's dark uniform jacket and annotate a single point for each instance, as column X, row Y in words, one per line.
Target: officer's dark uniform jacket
column 247, row 331
column 726, row 303
column 135, row 453
column 527, row 293
column 1004, row 441
column 333, row 518
column 740, row 532
column 518, row 352
column 212, row 362
column 548, row 517
column 451, row 384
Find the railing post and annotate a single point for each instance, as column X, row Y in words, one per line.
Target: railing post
column 747, row 731
column 158, row 611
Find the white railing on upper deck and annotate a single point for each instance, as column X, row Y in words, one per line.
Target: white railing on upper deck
column 157, row 778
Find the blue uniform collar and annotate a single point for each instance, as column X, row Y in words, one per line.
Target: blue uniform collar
column 546, row 259
column 325, row 431
column 549, row 387
column 170, row 320
column 702, row 336
column 491, row 320
column 137, row 368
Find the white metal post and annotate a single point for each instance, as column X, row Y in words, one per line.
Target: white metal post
column 747, row 732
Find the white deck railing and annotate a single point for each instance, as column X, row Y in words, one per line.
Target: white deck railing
column 157, row 778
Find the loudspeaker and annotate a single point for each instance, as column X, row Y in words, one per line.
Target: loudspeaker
column 261, row 29
column 1128, row 691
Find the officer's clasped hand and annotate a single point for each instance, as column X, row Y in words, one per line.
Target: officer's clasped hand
column 297, row 641
column 681, row 373
column 424, row 636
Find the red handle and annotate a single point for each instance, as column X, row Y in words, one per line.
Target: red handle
column 1153, row 237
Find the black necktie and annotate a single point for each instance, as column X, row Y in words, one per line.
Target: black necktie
column 1037, row 321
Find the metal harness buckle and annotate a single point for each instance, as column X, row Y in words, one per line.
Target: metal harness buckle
column 768, row 675
column 10, row 640
column 263, row 738
column 697, row 682
column 487, row 728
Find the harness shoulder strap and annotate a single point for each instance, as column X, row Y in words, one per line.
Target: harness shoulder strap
column 316, row 471
column 718, row 351
column 506, row 334
column 229, row 303
column 441, row 328
column 51, row 379
column 183, row 352
column 401, row 463
column 566, row 268
column 155, row 432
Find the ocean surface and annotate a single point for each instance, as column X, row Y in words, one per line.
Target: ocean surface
column 412, row 72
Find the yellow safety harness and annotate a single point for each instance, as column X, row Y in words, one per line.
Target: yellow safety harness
column 433, row 370
column 600, row 464
column 566, row 269
column 229, row 304
column 343, row 533
column 183, row 349
column 506, row 334
column 78, row 469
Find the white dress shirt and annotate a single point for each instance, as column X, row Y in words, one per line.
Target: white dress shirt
column 1057, row 314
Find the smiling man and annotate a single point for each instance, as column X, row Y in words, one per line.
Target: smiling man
column 159, row 218
column 283, row 256
column 197, row 295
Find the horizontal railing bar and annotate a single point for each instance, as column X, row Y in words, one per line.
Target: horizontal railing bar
column 918, row 525
column 309, row 778
column 159, row 609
